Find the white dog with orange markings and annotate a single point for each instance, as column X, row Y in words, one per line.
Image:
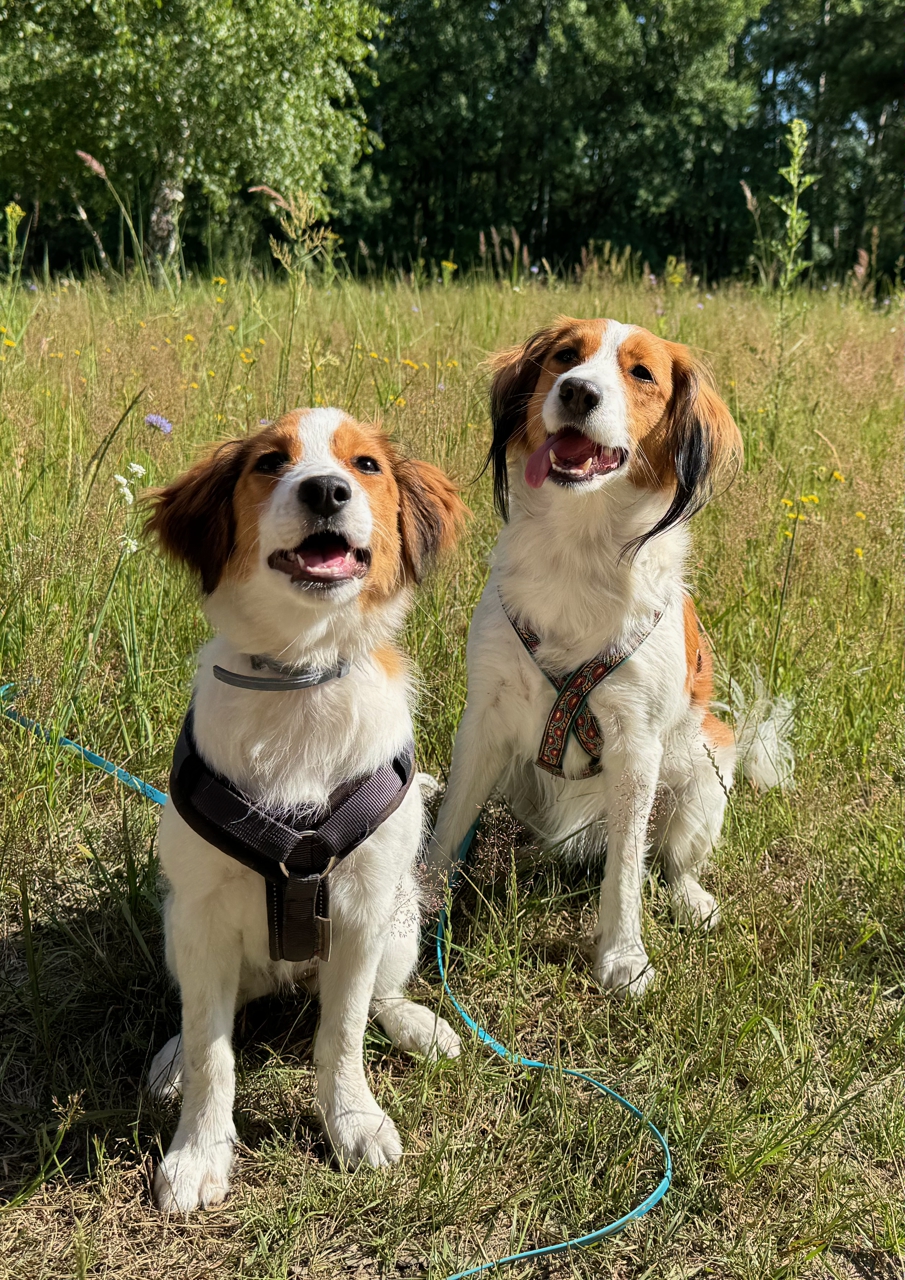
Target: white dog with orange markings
column 589, row 679
column 307, row 538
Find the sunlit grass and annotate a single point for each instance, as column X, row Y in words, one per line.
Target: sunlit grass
column 771, row 1052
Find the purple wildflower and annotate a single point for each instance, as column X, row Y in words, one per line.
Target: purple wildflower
column 441, row 386
column 160, row 422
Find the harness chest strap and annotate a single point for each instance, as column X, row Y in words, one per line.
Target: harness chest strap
column 570, row 712
column 295, row 855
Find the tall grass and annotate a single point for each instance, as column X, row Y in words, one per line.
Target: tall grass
column 771, row 1051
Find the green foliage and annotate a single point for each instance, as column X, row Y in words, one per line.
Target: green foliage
column 208, row 97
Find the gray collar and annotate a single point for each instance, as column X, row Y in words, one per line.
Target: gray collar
column 288, row 676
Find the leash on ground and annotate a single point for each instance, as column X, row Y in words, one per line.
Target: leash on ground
column 443, row 944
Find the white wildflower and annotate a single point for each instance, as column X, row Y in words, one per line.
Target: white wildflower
column 136, row 469
column 124, row 491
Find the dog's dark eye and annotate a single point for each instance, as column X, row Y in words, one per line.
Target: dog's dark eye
column 568, row 355
column 369, row 466
column 270, row 463
column 642, row 373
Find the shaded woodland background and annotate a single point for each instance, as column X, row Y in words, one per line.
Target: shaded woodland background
column 514, row 134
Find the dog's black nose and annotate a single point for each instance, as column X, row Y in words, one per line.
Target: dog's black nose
column 324, row 495
column 578, row 396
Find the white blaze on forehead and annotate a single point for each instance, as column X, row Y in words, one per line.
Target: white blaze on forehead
column 608, row 423
column 315, row 429
column 285, row 521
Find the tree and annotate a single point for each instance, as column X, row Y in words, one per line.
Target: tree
column 569, row 119
column 837, row 64
column 174, row 96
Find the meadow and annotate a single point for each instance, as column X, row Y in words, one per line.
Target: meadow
column 769, row 1052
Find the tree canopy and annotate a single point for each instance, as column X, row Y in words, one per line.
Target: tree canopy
column 421, row 127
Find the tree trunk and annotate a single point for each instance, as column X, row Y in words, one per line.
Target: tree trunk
column 163, row 226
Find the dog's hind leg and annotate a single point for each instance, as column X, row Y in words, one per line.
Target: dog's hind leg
column 697, row 775
column 165, row 1075
column 410, row 1026
column 205, row 954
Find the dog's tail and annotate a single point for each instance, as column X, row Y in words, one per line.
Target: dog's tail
column 763, row 732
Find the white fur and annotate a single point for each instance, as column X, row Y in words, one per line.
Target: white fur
column 284, row 749
column 558, row 566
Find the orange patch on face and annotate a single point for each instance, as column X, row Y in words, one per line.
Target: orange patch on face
column 254, row 487
column 525, row 374
column 351, row 441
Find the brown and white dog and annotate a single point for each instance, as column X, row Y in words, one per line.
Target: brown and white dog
column 307, row 539
column 606, row 439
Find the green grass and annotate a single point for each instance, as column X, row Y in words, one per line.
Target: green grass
column 771, row 1052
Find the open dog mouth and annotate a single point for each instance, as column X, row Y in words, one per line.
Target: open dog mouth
column 322, row 560
column 571, row 458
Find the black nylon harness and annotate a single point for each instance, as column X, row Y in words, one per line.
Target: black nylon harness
column 296, row 853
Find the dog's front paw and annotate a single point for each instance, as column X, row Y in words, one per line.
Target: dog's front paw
column 194, row 1176
column 693, row 905
column 360, row 1133
column 414, row 1029
column 624, row 970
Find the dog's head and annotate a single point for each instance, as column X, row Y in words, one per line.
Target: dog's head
column 314, row 511
column 584, row 402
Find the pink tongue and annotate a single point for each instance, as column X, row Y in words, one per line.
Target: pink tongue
column 570, row 446
column 324, row 557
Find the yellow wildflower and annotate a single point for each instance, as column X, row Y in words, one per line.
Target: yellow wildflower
column 194, row 384
column 219, row 299
column 261, row 342
column 450, row 266
column 859, row 553
column 8, row 342
column 142, row 325
column 189, row 337
column 400, row 402
column 409, row 364
column 373, row 355
column 452, row 364
column 837, row 475
column 219, row 279
column 211, row 374
column 786, row 534
column 231, row 328
column 860, row 515
column 787, row 502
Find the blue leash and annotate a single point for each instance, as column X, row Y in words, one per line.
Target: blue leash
column 443, row 935
column 128, row 779
column 579, row 1242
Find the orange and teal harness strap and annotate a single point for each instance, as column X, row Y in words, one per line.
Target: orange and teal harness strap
column 443, row 943
column 570, row 713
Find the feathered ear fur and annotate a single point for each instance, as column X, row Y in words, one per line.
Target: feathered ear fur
column 193, row 518
column 515, row 376
column 431, row 514
column 700, row 442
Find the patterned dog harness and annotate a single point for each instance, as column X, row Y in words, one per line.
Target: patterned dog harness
column 294, row 854
column 571, row 713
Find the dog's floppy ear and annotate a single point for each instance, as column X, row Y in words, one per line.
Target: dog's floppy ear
column 193, row 518
column 701, row 441
column 431, row 514
column 516, row 371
